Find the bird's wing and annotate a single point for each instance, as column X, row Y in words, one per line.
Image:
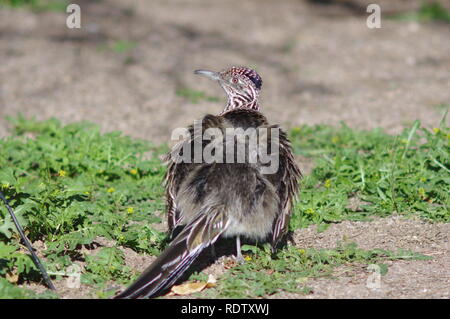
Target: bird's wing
column 285, row 180
column 178, row 169
column 175, row 173
column 180, row 254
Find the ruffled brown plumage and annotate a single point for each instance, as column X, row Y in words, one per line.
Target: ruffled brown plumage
column 211, row 199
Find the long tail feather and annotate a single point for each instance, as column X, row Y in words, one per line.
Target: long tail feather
column 181, row 253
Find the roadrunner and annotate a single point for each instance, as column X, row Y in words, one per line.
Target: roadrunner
column 229, row 196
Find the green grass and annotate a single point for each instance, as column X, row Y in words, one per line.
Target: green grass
column 37, row 5
column 70, row 185
column 18, row 3
column 119, row 46
column 407, row 174
column 123, row 49
column 428, row 11
column 123, row 46
column 442, row 107
column 194, row 96
column 290, row 269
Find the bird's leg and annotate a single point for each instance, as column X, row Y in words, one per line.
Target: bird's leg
column 239, row 257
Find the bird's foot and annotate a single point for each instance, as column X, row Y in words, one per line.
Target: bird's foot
column 239, row 258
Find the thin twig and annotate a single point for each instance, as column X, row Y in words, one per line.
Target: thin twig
column 392, row 175
column 35, row 258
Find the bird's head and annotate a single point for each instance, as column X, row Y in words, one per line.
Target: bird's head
column 242, row 86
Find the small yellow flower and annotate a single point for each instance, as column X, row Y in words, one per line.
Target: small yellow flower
column 111, row 190
column 309, row 211
column 436, row 130
column 5, row 186
column 296, row 130
column 62, row 173
column 302, row 251
column 134, row 171
column 130, row 210
column 335, row 139
column 423, row 179
column 247, row 258
column 327, row 183
column 422, row 193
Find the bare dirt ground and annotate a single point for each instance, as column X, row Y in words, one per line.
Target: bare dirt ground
column 320, row 64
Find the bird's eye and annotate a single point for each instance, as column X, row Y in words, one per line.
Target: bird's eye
column 234, row 80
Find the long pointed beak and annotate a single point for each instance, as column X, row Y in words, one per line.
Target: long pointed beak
column 211, row 74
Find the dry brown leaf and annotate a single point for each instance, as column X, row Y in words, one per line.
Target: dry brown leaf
column 193, row 287
column 189, row 288
column 12, row 277
column 212, row 281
